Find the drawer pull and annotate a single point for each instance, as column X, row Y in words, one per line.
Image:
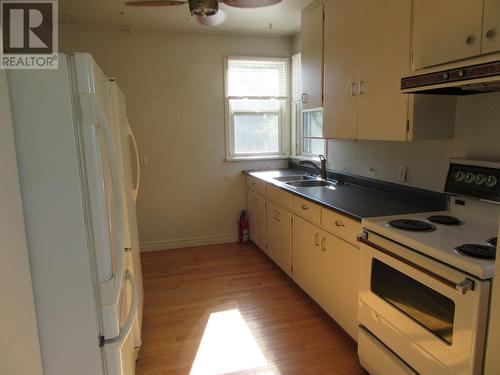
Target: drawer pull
column 338, row 223
column 316, row 240
column 323, row 244
column 304, row 207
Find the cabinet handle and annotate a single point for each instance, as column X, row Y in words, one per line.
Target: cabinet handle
column 490, row 34
column 470, row 39
column 304, row 98
column 323, row 244
column 304, row 207
column 316, row 240
column 353, row 88
column 254, row 184
column 338, row 223
column 278, row 217
column 361, row 91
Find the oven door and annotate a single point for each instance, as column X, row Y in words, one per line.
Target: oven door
column 437, row 308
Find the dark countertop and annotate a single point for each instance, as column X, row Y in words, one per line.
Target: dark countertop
column 358, row 202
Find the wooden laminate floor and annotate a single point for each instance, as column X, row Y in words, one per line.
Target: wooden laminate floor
column 185, row 288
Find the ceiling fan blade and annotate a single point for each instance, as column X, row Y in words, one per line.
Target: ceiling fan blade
column 154, row 3
column 214, row 20
column 250, row 3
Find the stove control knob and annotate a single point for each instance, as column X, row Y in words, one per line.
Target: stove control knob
column 470, row 177
column 458, row 176
column 480, row 179
column 491, row 181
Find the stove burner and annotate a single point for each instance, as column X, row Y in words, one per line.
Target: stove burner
column 493, row 241
column 412, row 225
column 444, row 219
column 477, row 251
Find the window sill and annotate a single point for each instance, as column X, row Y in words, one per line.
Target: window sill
column 257, row 158
column 303, row 157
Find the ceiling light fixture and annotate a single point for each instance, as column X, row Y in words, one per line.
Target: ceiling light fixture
column 204, row 8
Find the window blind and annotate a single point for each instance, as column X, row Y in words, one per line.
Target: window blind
column 296, row 78
column 249, row 78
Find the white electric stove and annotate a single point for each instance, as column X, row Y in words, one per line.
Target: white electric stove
column 453, row 237
column 425, row 280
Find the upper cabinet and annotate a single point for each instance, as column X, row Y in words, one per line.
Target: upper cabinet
column 446, row 30
column 450, row 30
column 341, row 50
column 363, row 65
column 312, row 56
column 491, row 26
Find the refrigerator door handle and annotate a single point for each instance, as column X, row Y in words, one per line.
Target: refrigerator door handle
column 118, row 341
column 120, row 255
column 137, row 163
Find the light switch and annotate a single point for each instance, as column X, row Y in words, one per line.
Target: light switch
column 403, row 171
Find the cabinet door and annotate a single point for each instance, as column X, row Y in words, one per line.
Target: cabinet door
column 256, row 205
column 306, row 258
column 312, row 56
column 446, row 30
column 279, row 236
column 384, row 58
column 491, row 26
column 340, row 295
column 340, row 69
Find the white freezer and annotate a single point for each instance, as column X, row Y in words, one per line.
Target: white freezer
column 72, row 196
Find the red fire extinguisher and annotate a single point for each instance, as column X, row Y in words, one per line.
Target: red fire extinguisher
column 243, row 227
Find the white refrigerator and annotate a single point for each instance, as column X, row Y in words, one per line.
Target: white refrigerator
column 86, row 290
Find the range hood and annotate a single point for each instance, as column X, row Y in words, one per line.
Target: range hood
column 467, row 80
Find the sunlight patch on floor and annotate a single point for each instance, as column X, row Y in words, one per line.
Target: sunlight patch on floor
column 227, row 346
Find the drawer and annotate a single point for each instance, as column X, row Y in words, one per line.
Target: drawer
column 256, row 185
column 307, row 210
column 278, row 196
column 377, row 359
column 340, row 225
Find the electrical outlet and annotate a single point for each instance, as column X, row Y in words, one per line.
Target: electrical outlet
column 403, row 172
column 144, row 160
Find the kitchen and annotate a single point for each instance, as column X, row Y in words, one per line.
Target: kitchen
column 341, row 79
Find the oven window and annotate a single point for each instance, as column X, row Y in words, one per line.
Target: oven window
column 423, row 304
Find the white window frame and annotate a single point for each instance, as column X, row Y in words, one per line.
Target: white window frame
column 284, row 124
column 300, row 138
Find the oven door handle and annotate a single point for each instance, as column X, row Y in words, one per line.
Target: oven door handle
column 462, row 287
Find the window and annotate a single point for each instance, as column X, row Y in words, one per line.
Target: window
column 308, row 125
column 257, row 103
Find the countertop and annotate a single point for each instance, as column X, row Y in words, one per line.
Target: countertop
column 355, row 201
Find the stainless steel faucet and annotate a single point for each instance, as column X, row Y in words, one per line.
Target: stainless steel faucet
column 321, row 168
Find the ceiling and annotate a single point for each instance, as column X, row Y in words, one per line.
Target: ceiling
column 279, row 19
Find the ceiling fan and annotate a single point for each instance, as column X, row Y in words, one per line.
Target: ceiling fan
column 207, row 12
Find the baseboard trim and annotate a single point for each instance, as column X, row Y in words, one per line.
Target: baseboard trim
column 180, row 243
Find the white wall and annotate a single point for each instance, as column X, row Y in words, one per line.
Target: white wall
column 173, row 83
column 19, row 345
column 477, row 135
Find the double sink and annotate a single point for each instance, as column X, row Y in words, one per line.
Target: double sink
column 304, row 181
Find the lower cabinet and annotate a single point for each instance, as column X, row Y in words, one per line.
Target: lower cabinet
column 325, row 265
column 341, row 299
column 327, row 268
column 307, row 258
column 256, row 205
column 279, row 236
